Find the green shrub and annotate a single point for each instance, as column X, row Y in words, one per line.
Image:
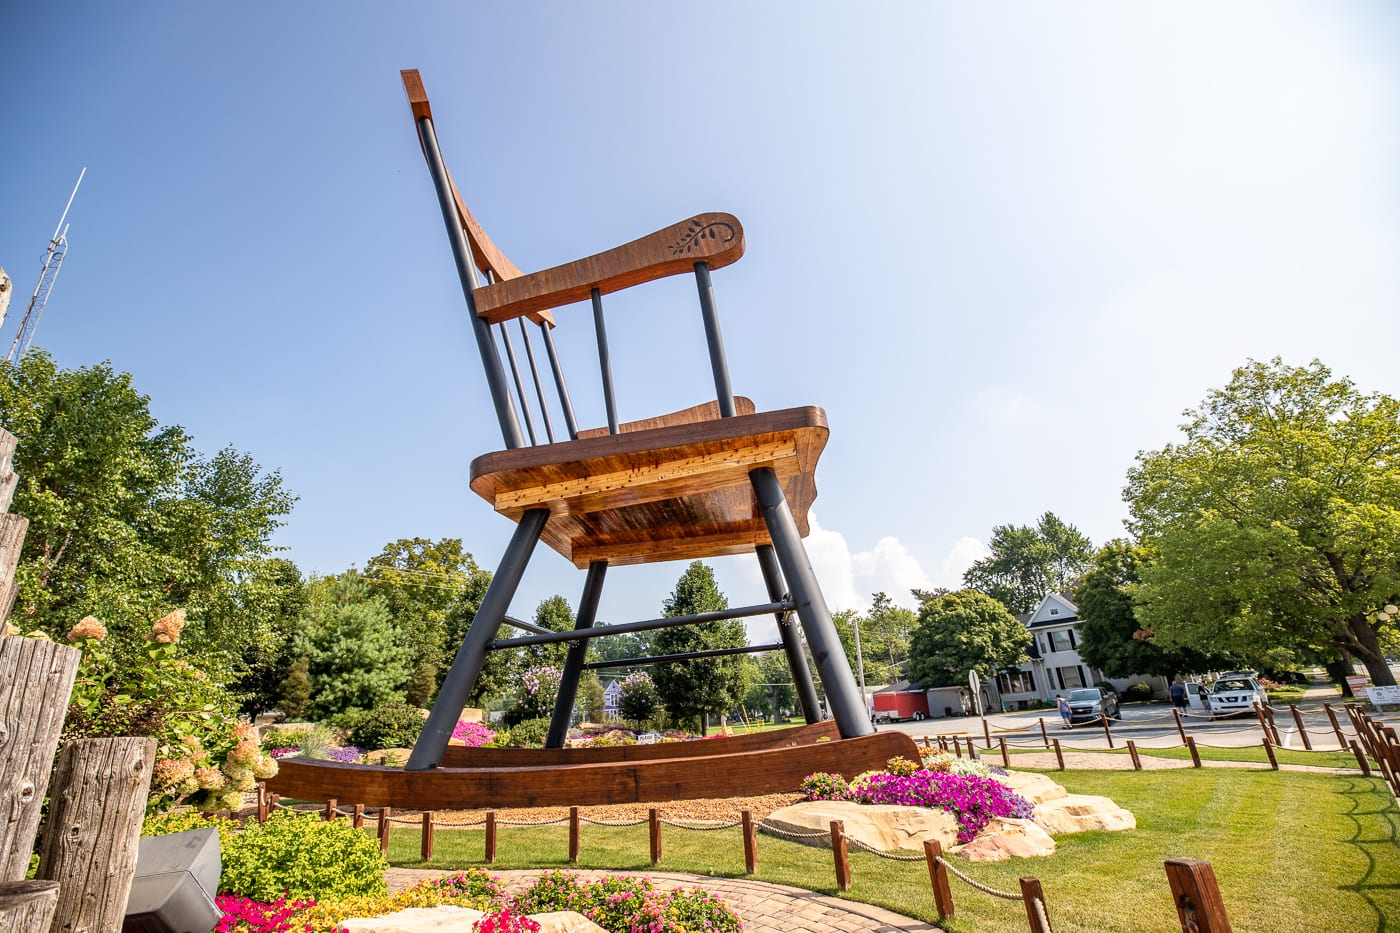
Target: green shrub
column 304, row 856
column 310, row 742
column 178, row 821
column 394, row 726
column 529, row 734
column 1138, row 692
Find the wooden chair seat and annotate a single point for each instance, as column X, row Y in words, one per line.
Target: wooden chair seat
column 676, row 492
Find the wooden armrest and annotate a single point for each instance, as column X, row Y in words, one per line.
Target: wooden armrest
column 715, row 239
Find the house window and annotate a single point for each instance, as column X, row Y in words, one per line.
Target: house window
column 1016, row 682
column 1054, row 612
column 1070, row 677
column 1061, row 641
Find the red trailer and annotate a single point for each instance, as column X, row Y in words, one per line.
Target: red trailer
column 895, row 705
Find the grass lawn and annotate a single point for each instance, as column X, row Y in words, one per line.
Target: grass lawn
column 1255, row 754
column 1292, row 851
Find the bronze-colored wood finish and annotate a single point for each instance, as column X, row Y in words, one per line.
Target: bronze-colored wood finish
column 458, row 756
column 709, row 411
column 1034, row 898
column 733, row 775
column 841, row 855
column 938, row 878
column 672, row 493
column 1199, row 905
column 716, row 239
column 750, row 843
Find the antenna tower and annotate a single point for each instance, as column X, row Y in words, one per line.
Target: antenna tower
column 53, row 262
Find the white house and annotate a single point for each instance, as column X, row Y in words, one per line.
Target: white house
column 1055, row 666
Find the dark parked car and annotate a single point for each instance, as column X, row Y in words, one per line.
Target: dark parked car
column 1090, row 704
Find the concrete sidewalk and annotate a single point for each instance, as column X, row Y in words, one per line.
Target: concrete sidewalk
column 764, row 907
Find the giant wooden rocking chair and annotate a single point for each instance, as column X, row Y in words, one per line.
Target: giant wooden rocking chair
column 716, row 479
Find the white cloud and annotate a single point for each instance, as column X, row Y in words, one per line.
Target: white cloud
column 965, row 552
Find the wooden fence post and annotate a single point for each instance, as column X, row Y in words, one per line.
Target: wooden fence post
column 331, row 804
column 1195, row 753
column 654, row 833
column 384, row 814
column 12, row 532
column 8, row 480
column 262, row 801
column 490, row 836
column 1361, row 761
column 938, row 878
column 573, row 835
column 1336, row 727
column 38, row 677
column 1181, row 730
column 1269, row 750
column 957, row 747
column 1005, row 756
column 359, row 819
column 841, row 855
column 1059, row 755
column 94, row 829
column 425, row 849
column 987, row 733
column 1133, row 753
column 1197, row 896
column 1106, row 732
column 751, row 842
column 27, row 905
column 1302, row 731
column 1045, row 736
column 1036, row 913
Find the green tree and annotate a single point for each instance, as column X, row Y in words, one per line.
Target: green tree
column 770, row 684
column 1275, row 524
column 1110, row 636
column 692, row 689
column 590, row 697
column 625, row 645
column 127, row 522
column 419, row 579
column 295, row 690
column 962, row 632
column 273, row 590
column 637, row 700
column 556, row 615
column 354, row 656
column 1026, row 563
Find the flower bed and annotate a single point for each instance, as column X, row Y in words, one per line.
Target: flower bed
column 973, row 799
column 617, row 904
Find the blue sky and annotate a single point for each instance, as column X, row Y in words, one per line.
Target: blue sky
column 1003, row 245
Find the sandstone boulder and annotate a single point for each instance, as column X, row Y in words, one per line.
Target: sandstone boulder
column 881, row 826
column 1037, row 788
column 1005, row 838
column 1077, row 813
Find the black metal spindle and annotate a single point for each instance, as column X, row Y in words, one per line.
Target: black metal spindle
column 539, row 386
column 519, row 385
column 603, row 361
column 564, row 401
column 724, row 392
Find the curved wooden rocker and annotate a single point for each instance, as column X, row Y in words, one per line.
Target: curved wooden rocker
column 715, row 479
column 738, row 774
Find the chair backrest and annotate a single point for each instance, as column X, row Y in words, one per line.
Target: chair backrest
column 507, row 299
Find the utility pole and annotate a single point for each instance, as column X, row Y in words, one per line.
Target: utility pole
column 53, row 262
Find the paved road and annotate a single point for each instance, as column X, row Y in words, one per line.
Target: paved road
column 1152, row 724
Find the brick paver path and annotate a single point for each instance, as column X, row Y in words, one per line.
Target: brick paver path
column 764, row 908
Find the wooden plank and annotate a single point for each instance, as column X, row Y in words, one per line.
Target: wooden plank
column 714, row 238
column 36, row 681
column 743, row 774
column 8, row 479
column 457, row 756
column 750, row 842
column 1034, row 899
column 27, row 906
column 938, row 879
column 841, row 855
column 12, row 531
column 709, row 411
column 94, row 829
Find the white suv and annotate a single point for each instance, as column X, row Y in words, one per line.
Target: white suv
column 1234, row 694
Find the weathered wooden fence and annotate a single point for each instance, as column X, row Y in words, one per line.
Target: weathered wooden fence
column 97, row 796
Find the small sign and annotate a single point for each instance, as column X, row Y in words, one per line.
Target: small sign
column 1358, row 684
column 648, row 738
column 1383, row 696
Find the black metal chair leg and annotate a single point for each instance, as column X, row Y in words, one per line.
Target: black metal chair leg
column 578, row 653
column 847, row 704
column 792, row 641
column 466, row 667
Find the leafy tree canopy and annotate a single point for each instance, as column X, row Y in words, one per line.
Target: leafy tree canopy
column 1026, row 563
column 128, row 522
column 691, row 689
column 962, row 632
column 355, row 659
column 1110, row 636
column 1275, row 525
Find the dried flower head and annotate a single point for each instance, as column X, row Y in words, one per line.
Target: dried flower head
column 88, row 627
column 166, row 631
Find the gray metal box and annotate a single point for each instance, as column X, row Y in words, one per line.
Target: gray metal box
column 176, row 879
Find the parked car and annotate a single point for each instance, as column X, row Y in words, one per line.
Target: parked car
column 1089, row 704
column 1231, row 695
